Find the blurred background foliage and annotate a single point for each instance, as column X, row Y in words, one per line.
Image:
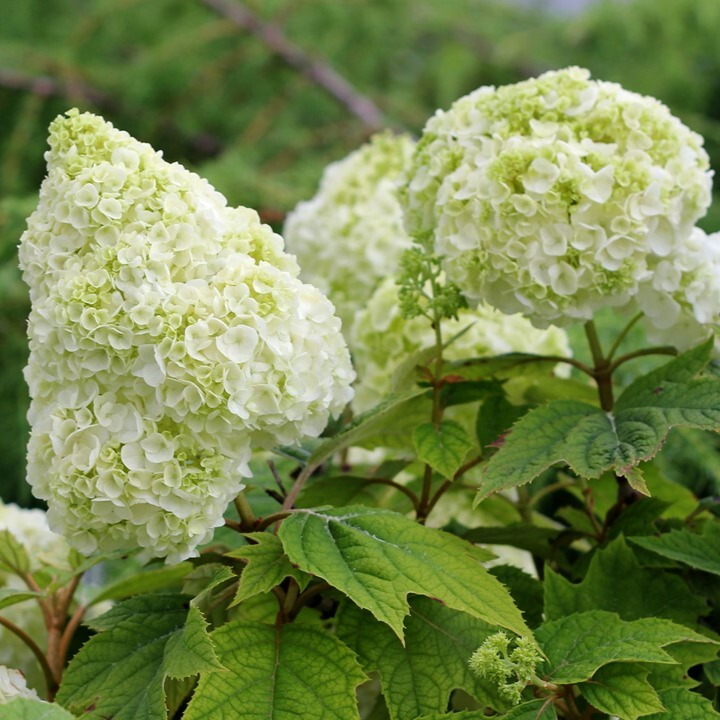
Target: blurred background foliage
column 223, row 98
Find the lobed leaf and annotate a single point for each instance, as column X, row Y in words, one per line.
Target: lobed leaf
column 701, row 552
column 292, row 672
column 120, row 673
column 592, row 441
column 444, row 447
column 377, row 558
column 267, row 566
column 622, row 689
column 419, row 678
column 578, row 645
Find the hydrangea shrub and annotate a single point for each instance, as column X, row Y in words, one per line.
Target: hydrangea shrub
column 171, row 336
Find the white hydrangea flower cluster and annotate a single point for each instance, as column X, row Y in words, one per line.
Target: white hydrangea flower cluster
column 169, row 335
column 381, row 339
column 558, row 195
column 351, row 234
column 44, row 548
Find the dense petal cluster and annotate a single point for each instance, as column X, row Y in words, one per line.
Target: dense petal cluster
column 351, row 234
column 381, row 339
column 169, row 335
column 558, row 195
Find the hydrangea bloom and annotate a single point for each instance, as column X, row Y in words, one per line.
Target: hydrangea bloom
column 381, row 339
column 169, row 334
column 351, row 234
column 557, row 195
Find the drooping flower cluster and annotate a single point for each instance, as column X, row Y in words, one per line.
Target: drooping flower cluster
column 559, row 195
column 381, row 339
column 351, row 234
column 44, row 549
column 169, row 334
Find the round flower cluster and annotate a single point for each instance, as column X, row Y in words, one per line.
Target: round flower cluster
column 381, row 339
column 351, row 234
column 169, row 335
column 556, row 196
column 44, row 549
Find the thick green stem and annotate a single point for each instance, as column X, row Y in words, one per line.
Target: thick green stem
column 247, row 516
column 601, row 368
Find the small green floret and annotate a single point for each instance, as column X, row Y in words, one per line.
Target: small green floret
column 492, row 661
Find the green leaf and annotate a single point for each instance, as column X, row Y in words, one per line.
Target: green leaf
column 9, row 597
column 578, row 645
column 267, row 566
column 291, row 672
column 622, row 689
column 701, row 552
column 433, row 633
column 148, row 581
column 29, row 709
column 352, row 490
column 592, row 441
column 13, row 557
column 686, row 655
column 495, row 417
column 645, row 593
column 443, row 448
column 462, row 715
column 539, row 541
column 500, row 366
column 533, row 710
column 526, row 590
column 378, row 557
column 377, row 421
column 684, row 705
column 190, row 651
column 120, row 673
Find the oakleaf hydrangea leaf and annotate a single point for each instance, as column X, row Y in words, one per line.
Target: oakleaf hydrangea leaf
column 267, row 566
column 578, row 645
column 645, row 593
column 27, row 709
column 592, row 441
column 436, row 638
column 622, row 689
column 293, row 672
column 377, row 558
column 701, row 552
column 444, row 447
column 190, row 651
column 684, row 705
column 120, row 672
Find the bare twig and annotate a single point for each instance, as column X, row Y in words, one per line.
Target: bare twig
column 46, row 86
column 317, row 71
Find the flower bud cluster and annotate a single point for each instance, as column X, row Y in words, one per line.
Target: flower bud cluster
column 169, row 334
column 560, row 195
column 351, row 235
column 381, row 338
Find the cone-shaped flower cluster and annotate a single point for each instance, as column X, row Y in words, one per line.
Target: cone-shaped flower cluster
column 169, row 335
column 559, row 195
column 351, row 234
column 382, row 338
